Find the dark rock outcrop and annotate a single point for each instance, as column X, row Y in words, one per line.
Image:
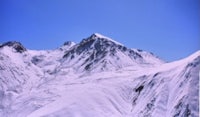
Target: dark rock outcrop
column 16, row 45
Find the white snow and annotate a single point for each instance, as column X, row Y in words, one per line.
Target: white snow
column 50, row 86
column 102, row 36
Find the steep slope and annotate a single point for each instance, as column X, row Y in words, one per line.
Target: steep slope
column 132, row 83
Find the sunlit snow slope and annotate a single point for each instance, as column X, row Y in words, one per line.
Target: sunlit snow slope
column 97, row 77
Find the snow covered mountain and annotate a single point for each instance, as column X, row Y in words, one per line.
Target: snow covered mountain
column 97, row 77
column 102, row 53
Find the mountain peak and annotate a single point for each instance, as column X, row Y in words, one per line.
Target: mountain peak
column 100, row 36
column 16, row 45
column 102, row 53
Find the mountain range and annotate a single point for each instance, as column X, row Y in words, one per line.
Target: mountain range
column 97, row 77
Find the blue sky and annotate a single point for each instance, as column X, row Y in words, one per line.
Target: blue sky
column 168, row 28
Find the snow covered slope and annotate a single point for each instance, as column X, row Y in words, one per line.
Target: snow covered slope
column 97, row 77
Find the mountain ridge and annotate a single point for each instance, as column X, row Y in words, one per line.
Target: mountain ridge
column 100, row 49
column 49, row 83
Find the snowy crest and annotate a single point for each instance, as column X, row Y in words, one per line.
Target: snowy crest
column 15, row 45
column 102, row 53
